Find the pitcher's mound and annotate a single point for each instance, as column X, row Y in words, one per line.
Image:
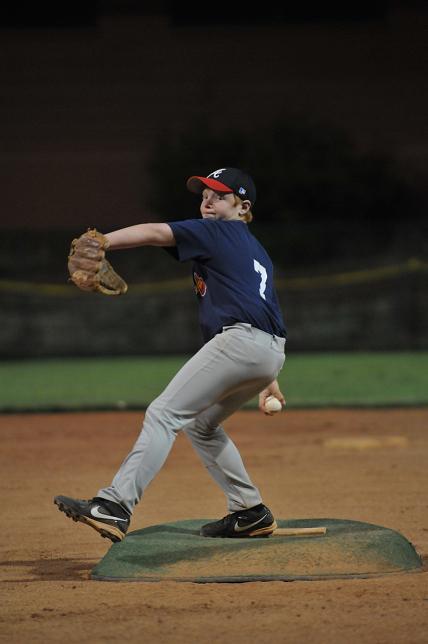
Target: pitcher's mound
column 176, row 552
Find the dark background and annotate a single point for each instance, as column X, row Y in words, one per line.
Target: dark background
column 107, row 107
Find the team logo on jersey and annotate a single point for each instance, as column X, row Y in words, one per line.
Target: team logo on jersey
column 200, row 286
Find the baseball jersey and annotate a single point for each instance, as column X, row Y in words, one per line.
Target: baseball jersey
column 232, row 274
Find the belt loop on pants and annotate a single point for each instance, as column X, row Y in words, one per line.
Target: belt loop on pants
column 261, row 337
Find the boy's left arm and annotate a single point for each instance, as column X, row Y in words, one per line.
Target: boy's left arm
column 158, row 234
column 88, row 266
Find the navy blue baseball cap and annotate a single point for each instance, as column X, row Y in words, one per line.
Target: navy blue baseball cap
column 225, row 180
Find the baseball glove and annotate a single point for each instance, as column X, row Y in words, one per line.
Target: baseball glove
column 88, row 267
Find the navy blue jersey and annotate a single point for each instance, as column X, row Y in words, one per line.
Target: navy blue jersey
column 232, row 273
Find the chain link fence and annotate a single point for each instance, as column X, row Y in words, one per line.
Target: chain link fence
column 380, row 308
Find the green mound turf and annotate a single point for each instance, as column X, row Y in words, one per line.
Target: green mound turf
column 176, row 552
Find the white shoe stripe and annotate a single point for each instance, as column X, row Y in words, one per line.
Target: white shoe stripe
column 238, row 528
column 98, row 515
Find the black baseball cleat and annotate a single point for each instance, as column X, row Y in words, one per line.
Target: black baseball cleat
column 110, row 519
column 252, row 522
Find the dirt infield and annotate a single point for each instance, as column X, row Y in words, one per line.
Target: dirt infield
column 362, row 465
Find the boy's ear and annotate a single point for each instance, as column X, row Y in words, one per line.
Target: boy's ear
column 245, row 207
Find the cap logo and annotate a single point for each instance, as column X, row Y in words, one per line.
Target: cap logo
column 242, row 191
column 217, row 173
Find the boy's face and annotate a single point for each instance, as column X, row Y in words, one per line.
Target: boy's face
column 215, row 205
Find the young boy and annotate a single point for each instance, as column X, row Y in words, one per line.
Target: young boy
column 244, row 336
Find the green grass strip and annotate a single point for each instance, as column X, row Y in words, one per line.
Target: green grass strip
column 308, row 380
column 356, row 379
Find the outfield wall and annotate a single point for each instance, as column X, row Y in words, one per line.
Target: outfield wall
column 383, row 308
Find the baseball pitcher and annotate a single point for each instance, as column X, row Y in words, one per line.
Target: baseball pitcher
column 243, row 352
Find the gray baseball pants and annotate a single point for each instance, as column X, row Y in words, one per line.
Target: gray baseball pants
column 226, row 372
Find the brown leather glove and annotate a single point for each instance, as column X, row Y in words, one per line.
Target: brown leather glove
column 88, row 267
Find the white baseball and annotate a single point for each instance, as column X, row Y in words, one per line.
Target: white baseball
column 272, row 404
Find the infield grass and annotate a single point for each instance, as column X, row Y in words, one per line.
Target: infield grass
column 308, row 380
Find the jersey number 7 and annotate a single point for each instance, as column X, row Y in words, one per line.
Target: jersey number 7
column 263, row 277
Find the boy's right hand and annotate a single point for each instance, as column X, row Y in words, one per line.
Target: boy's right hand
column 272, row 390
